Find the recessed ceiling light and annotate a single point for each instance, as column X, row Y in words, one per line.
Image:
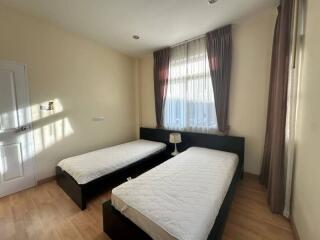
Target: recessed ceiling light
column 212, row 1
column 136, row 37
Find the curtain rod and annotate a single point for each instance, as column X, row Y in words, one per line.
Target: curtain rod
column 189, row 40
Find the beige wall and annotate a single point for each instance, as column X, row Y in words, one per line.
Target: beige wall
column 86, row 78
column 306, row 196
column 249, row 85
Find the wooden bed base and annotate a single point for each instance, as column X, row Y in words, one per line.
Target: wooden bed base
column 80, row 193
column 118, row 227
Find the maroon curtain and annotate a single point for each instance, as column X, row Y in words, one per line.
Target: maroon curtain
column 273, row 168
column 219, row 48
column 161, row 74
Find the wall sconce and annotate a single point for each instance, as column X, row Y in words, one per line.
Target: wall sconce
column 49, row 107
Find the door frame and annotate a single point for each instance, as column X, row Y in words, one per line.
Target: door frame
column 29, row 114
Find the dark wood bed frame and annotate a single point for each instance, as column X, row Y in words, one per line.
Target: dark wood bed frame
column 80, row 193
column 118, row 227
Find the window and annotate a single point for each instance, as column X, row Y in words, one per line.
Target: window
column 189, row 103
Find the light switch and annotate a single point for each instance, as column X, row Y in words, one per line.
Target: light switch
column 98, row 119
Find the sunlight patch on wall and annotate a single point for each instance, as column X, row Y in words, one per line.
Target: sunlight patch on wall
column 44, row 136
column 51, row 133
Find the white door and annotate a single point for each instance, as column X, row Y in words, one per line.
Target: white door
column 16, row 136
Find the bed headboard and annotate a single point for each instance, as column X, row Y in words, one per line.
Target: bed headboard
column 222, row 143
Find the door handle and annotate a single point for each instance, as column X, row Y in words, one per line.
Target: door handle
column 16, row 130
column 23, row 128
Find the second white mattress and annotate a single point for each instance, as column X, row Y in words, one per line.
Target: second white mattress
column 179, row 199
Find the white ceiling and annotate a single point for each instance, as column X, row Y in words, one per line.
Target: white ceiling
column 159, row 23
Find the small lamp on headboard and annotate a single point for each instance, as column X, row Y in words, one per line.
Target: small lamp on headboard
column 175, row 138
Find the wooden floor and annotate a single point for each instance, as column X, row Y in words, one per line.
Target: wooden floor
column 45, row 212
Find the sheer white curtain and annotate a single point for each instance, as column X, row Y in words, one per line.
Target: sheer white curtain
column 292, row 103
column 190, row 102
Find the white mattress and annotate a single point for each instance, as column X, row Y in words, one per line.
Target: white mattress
column 89, row 166
column 181, row 198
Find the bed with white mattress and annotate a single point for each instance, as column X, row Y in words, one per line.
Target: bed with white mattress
column 185, row 198
column 180, row 198
column 89, row 167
